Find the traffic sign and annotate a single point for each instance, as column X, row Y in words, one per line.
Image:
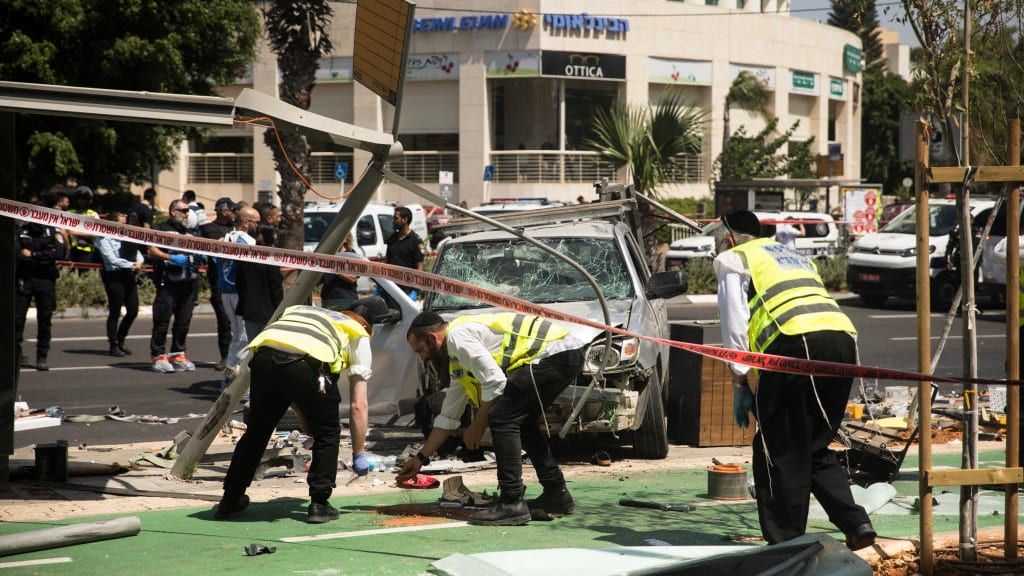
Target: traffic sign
column 341, row 171
column 489, row 173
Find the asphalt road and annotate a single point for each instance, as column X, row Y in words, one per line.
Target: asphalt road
column 83, row 379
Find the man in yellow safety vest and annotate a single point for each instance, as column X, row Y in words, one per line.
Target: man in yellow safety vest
column 297, row 359
column 772, row 300
column 510, row 367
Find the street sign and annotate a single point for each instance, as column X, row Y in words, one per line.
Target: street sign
column 446, row 177
column 835, row 151
column 489, row 173
column 341, row 171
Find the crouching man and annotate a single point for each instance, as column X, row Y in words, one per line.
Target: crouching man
column 510, row 367
column 298, row 359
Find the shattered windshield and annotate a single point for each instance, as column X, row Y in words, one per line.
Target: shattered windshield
column 516, row 268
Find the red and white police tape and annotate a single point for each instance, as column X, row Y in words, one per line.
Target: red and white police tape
column 432, row 282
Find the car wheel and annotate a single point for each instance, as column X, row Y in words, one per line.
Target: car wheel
column 943, row 290
column 650, row 440
column 874, row 300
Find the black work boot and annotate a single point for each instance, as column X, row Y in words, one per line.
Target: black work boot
column 320, row 512
column 124, row 351
column 230, row 506
column 552, row 503
column 41, row 364
column 116, row 351
column 861, row 537
column 502, row 513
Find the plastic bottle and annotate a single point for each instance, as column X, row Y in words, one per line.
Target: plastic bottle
column 380, row 463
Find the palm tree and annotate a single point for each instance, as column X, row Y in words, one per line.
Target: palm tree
column 644, row 141
column 298, row 31
column 747, row 93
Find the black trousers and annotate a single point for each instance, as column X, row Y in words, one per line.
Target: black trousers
column 279, row 379
column 44, row 292
column 223, row 320
column 176, row 299
column 121, row 291
column 796, row 434
column 514, row 421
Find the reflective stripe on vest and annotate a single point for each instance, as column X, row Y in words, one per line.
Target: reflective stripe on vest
column 322, row 334
column 523, row 339
column 789, row 298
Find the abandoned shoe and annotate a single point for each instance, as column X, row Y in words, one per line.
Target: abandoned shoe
column 227, row 508
column 502, row 514
column 320, row 512
column 552, row 503
column 861, row 537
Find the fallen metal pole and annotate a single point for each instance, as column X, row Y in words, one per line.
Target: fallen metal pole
column 48, row 538
column 342, row 224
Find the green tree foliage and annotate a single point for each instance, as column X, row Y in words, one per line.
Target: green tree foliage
column 885, row 99
column 298, row 31
column 861, row 18
column 184, row 46
column 747, row 93
column 765, row 155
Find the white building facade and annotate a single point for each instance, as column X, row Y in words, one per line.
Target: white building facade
column 502, row 95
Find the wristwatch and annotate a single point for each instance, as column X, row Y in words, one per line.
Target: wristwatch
column 424, row 460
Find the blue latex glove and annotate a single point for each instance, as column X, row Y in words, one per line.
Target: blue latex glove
column 361, row 464
column 413, row 295
column 742, row 402
column 178, row 259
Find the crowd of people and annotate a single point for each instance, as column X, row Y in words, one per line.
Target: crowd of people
column 243, row 296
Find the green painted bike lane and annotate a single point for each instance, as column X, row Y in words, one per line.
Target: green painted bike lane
column 189, row 541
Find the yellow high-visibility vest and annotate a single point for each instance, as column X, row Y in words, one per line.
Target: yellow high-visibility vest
column 318, row 332
column 789, row 296
column 77, row 242
column 524, row 338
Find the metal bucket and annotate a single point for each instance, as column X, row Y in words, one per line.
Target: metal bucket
column 727, row 482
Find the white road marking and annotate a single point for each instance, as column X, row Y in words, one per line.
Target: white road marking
column 951, row 337
column 899, row 316
column 375, row 532
column 104, row 338
column 41, row 562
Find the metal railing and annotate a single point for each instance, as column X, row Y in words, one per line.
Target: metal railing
column 576, row 166
column 220, row 168
column 423, row 165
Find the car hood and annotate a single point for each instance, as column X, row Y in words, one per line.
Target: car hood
column 887, row 241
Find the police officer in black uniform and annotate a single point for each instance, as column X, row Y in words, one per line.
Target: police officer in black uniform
column 38, row 249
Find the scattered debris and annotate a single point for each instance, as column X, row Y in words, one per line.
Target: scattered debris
column 455, row 491
column 665, row 507
column 601, row 458
column 420, row 482
column 257, row 549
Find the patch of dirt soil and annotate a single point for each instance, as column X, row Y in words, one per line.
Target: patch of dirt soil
column 990, row 563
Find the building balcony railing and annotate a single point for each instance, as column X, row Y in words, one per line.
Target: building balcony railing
column 424, row 165
column 220, row 168
column 552, row 166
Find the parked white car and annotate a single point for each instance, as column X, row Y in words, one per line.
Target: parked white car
column 821, row 238
column 884, row 264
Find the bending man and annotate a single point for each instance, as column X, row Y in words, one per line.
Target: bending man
column 510, row 367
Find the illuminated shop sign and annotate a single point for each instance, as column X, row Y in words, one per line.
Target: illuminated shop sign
column 666, row 71
column 583, row 65
column 585, row 22
column 461, row 23
column 443, row 66
column 837, row 88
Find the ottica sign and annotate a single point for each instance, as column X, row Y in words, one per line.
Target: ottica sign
column 583, row 65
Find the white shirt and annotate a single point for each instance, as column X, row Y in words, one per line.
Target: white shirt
column 472, row 346
column 733, row 310
column 786, row 234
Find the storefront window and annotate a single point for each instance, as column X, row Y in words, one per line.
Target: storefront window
column 524, row 113
column 583, row 99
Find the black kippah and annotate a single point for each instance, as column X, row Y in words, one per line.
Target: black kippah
column 427, row 318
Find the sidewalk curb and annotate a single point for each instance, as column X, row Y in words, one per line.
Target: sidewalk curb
column 76, row 312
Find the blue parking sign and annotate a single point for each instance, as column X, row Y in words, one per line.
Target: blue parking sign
column 489, row 173
column 340, row 171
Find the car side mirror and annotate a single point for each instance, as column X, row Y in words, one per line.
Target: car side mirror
column 667, row 284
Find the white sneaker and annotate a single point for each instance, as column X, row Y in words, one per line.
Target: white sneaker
column 160, row 364
column 182, row 364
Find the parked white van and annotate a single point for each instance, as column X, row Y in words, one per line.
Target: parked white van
column 371, row 230
column 884, row 264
